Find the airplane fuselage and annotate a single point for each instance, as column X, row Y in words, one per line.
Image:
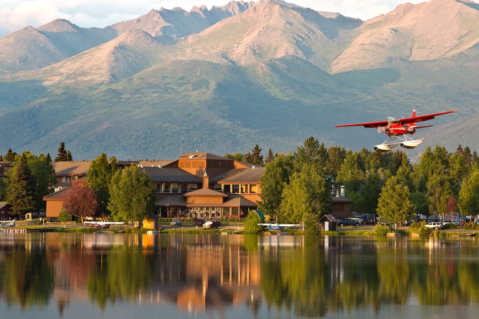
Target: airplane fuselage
column 396, row 129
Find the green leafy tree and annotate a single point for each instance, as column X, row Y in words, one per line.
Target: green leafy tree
column 273, row 181
column 336, row 156
column 351, row 175
column 251, row 224
column 469, row 195
column 394, row 203
column 439, row 190
column 306, row 197
column 43, row 178
column 132, row 195
column 21, row 187
column 421, row 202
column 99, row 176
column 236, row 156
column 371, row 192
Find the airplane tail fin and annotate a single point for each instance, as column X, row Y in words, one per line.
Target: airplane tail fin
column 413, row 113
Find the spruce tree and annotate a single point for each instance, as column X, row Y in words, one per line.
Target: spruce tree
column 1, row 158
column 270, row 157
column 62, row 153
column 21, row 187
column 257, row 158
column 10, row 156
column 69, row 156
column 49, row 158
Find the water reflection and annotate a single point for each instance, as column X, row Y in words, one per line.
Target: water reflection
column 201, row 274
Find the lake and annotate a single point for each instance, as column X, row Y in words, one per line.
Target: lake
column 57, row 275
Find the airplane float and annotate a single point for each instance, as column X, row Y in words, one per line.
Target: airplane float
column 9, row 223
column 103, row 225
column 398, row 130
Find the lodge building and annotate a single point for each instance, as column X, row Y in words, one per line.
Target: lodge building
column 196, row 185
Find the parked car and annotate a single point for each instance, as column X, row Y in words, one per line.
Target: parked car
column 175, row 222
column 434, row 225
column 348, row 221
column 214, row 223
column 200, row 222
column 445, row 221
column 457, row 222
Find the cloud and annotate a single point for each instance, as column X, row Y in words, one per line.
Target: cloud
column 17, row 14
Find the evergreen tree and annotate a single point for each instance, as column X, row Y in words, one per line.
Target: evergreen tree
column 63, row 155
column 256, row 157
column 421, row 202
column 270, row 157
column 275, row 178
column 1, row 158
column 49, row 158
column 248, row 158
column 21, row 187
column 10, row 156
column 311, row 153
column 467, row 156
column 132, row 195
column 351, row 175
column 394, row 203
column 459, row 150
column 3, row 189
column 99, row 176
column 438, row 190
column 336, row 156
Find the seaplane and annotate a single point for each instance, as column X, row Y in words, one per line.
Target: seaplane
column 398, row 130
column 277, row 227
column 102, row 225
column 7, row 223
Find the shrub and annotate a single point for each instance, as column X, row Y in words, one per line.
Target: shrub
column 64, row 216
column 416, row 225
column 469, row 226
column 423, row 230
column 311, row 225
column 251, row 224
column 381, row 230
column 449, row 226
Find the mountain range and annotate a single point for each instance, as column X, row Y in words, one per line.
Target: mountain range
column 225, row 78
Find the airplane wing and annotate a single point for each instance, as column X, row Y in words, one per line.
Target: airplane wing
column 422, row 118
column 370, row 124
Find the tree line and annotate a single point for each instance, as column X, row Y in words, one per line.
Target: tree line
column 297, row 186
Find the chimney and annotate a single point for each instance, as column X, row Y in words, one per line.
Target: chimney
column 342, row 191
column 206, row 181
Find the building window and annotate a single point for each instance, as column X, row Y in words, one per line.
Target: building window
column 65, row 179
column 192, row 187
column 158, row 188
column 75, row 178
column 253, row 188
column 218, row 188
column 174, row 188
column 166, row 188
column 244, row 188
column 227, row 189
column 235, row 189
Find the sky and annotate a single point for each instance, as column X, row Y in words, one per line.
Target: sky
column 17, row 14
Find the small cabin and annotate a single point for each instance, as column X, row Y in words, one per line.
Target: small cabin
column 328, row 222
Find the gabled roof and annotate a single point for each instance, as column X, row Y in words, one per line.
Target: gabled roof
column 171, row 174
column 240, row 175
column 203, row 156
column 237, row 201
column 3, row 204
column 60, row 195
column 205, row 192
column 71, row 168
column 331, row 218
column 169, row 201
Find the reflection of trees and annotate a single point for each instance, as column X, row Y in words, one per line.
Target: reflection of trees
column 120, row 274
column 394, row 274
column 27, row 278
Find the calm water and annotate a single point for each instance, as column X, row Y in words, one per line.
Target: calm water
column 208, row 276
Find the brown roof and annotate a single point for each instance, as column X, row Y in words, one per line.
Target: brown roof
column 170, row 174
column 237, row 201
column 203, row 156
column 3, row 204
column 205, row 192
column 341, row 199
column 240, row 175
column 331, row 218
column 170, row 201
column 71, row 168
column 60, row 195
column 155, row 163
